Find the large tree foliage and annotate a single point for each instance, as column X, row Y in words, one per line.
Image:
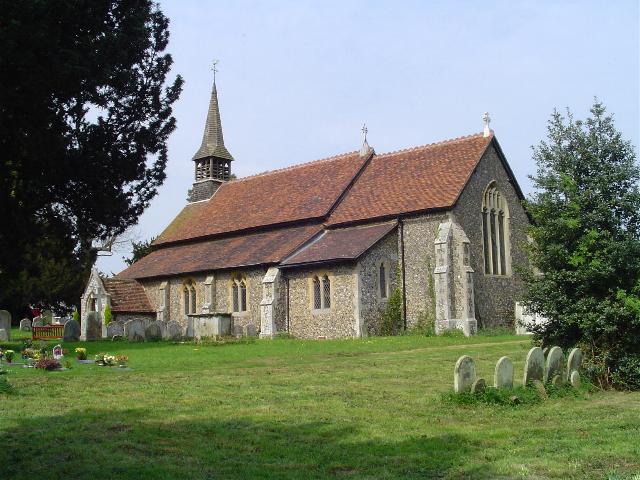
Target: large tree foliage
column 85, row 114
column 139, row 250
column 586, row 244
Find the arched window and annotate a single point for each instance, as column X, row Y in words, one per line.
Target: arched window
column 321, row 290
column 317, row 300
column 495, row 232
column 382, row 274
column 189, row 297
column 239, row 294
column 326, row 290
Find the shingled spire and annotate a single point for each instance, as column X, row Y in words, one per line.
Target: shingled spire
column 212, row 160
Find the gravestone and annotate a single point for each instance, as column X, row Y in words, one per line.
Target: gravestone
column 556, row 381
column 478, row 386
column 539, row 386
column 25, row 325
column 57, row 352
column 117, row 338
column 533, row 366
column 115, row 328
column 575, row 379
column 237, row 331
column 464, row 374
column 4, row 336
column 37, row 322
column 71, row 332
column 553, row 366
column 250, row 330
column 545, row 352
column 5, row 322
column 174, row 330
column 47, row 317
column 153, row 331
column 573, row 362
column 94, row 326
column 134, row 330
column 503, row 374
column 163, row 328
column 64, row 320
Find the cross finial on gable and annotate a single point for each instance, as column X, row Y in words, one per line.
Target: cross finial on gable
column 486, row 119
column 366, row 149
column 365, row 130
column 214, row 69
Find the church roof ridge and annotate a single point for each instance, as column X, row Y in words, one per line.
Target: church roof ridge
column 293, row 167
column 431, row 145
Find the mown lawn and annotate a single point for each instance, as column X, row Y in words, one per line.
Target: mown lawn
column 367, row 408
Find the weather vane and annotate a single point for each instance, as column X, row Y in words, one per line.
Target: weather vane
column 214, row 68
column 365, row 130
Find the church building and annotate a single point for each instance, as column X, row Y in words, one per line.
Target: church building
column 317, row 250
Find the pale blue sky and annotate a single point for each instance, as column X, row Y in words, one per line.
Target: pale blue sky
column 297, row 79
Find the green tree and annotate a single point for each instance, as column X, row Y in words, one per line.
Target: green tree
column 139, row 250
column 586, row 243
column 85, row 114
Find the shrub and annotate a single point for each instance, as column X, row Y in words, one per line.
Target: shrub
column 107, row 315
column 9, row 354
column 391, row 319
column 75, row 315
column 5, row 386
column 47, row 364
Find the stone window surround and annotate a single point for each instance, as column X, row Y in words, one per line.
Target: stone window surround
column 189, row 292
column 493, row 199
column 388, row 278
column 320, row 274
column 237, row 279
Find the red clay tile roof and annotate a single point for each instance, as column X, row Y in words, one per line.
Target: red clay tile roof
column 292, row 194
column 418, row 179
column 341, row 244
column 242, row 250
column 127, row 296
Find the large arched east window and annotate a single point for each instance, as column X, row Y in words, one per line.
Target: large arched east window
column 189, row 297
column 239, row 294
column 495, row 232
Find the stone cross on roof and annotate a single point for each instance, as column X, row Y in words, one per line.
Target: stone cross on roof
column 365, row 149
column 486, row 119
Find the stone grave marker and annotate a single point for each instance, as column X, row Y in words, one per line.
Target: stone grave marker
column 464, row 374
column 71, row 332
column 553, row 366
column 37, row 322
column 57, row 352
column 503, row 374
column 47, row 317
column 5, row 322
column 64, row 320
column 25, row 325
column 556, row 381
column 134, row 330
column 4, row 336
column 539, row 386
column 153, row 331
column 163, row 328
column 174, row 330
column 237, row 331
column 94, row 326
column 250, row 330
column 573, row 362
column 479, row 385
column 115, row 328
column 533, row 366
column 575, row 379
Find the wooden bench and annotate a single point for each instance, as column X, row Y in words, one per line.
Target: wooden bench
column 48, row 332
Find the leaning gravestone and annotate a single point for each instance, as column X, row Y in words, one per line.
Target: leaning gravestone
column 464, row 374
column 533, row 366
column 573, row 362
column 553, row 366
column 5, row 322
column 94, row 326
column 479, row 385
column 37, row 322
column 134, row 330
column 4, row 336
column 153, row 331
column 115, row 328
column 25, row 325
column 71, row 332
column 174, row 330
column 503, row 375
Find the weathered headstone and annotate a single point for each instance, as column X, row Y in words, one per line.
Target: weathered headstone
column 115, row 328
column 4, row 336
column 464, row 374
column 25, row 325
column 250, row 330
column 94, row 326
column 556, row 381
column 5, row 322
column 64, row 320
column 47, row 317
column 117, row 338
column 553, row 365
column 37, row 322
column 539, row 386
column 134, row 330
column 575, row 379
column 163, row 328
column 237, row 331
column 545, row 352
column 573, row 362
column 174, row 330
column 533, row 366
column 479, row 385
column 503, row 375
column 71, row 332
column 153, row 331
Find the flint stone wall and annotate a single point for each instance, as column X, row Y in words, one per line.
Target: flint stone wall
column 495, row 294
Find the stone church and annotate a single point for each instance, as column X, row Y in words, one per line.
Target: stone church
column 317, row 249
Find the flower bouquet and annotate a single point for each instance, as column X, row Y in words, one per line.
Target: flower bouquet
column 48, row 364
column 81, row 353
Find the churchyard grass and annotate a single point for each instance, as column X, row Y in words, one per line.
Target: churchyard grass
column 370, row 408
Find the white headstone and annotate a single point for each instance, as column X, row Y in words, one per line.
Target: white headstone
column 464, row 374
column 573, row 362
column 554, row 364
column 533, row 366
column 25, row 325
column 115, row 328
column 4, row 336
column 503, row 375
